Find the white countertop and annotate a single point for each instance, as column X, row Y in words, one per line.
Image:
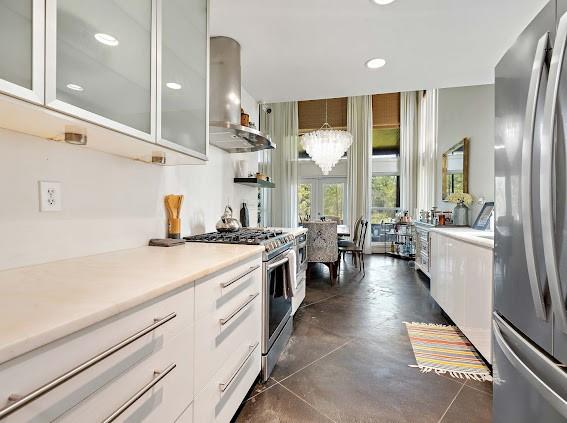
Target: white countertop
column 39, row 304
column 472, row 236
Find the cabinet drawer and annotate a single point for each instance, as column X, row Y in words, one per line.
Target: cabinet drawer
column 223, row 292
column 27, row 373
column 215, row 344
column 214, row 405
column 162, row 399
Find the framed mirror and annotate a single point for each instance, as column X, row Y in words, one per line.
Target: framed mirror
column 455, row 169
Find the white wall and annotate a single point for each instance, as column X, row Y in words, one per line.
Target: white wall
column 468, row 112
column 109, row 202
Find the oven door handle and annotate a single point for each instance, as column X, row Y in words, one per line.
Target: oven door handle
column 277, row 264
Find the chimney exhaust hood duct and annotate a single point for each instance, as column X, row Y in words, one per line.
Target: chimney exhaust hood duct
column 225, row 130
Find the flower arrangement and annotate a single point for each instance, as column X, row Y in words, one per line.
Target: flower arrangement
column 460, row 197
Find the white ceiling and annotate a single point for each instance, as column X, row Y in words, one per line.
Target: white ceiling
column 308, row 49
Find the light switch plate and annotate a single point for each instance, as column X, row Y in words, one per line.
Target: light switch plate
column 50, row 196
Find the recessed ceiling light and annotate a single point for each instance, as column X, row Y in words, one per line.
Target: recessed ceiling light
column 107, row 39
column 75, row 87
column 383, row 2
column 173, row 85
column 375, row 63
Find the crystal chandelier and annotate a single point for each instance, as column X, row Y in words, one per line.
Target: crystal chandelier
column 326, row 145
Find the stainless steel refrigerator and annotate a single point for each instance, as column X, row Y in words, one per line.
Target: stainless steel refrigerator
column 530, row 256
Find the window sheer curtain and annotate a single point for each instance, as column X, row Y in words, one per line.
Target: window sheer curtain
column 279, row 205
column 408, row 151
column 427, row 149
column 359, row 161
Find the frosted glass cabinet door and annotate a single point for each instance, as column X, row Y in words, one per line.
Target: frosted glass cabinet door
column 100, row 62
column 183, row 75
column 21, row 48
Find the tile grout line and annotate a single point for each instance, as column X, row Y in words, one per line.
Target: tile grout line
column 453, row 400
column 320, row 301
column 294, row 394
column 314, row 361
column 479, row 390
column 264, row 390
column 277, row 382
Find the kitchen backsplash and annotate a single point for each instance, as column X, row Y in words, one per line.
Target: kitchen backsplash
column 109, row 203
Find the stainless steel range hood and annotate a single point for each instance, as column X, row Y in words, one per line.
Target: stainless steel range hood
column 225, row 130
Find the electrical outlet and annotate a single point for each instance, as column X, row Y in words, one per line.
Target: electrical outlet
column 50, row 196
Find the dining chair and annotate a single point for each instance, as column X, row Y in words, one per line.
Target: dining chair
column 356, row 235
column 322, row 246
column 357, row 249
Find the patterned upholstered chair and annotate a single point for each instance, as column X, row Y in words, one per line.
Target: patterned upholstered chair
column 322, row 245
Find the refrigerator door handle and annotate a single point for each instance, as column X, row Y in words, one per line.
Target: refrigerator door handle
column 555, row 373
column 536, row 286
column 547, row 173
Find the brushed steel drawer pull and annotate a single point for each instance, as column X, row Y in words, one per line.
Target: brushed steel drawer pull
column 158, row 375
column 21, row 401
column 236, row 279
column 224, row 386
column 238, row 309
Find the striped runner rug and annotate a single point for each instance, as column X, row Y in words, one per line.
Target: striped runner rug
column 445, row 350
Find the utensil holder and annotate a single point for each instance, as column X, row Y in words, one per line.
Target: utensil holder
column 174, row 228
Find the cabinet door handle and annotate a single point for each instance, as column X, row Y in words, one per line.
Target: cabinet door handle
column 527, row 178
column 32, row 396
column 236, row 279
column 158, row 376
column 238, row 309
column 547, row 186
column 225, row 385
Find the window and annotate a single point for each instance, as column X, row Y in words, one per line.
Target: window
column 385, row 203
column 386, row 124
column 333, row 199
column 304, row 197
column 325, row 196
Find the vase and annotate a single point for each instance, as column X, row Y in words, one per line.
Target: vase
column 461, row 215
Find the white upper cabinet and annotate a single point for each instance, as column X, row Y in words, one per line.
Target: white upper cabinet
column 139, row 68
column 182, row 32
column 21, row 48
column 100, row 62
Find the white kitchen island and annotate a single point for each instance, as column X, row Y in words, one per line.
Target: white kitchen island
column 461, row 281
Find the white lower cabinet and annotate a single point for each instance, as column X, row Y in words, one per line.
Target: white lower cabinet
column 227, row 342
column 171, row 366
column 224, row 393
column 186, row 416
column 461, row 283
column 26, row 374
column 166, row 397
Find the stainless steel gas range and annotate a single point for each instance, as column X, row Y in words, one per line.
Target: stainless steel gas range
column 277, row 324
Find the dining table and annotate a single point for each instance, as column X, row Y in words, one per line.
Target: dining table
column 343, row 231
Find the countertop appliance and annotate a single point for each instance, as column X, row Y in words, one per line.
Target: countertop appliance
column 277, row 324
column 530, row 254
